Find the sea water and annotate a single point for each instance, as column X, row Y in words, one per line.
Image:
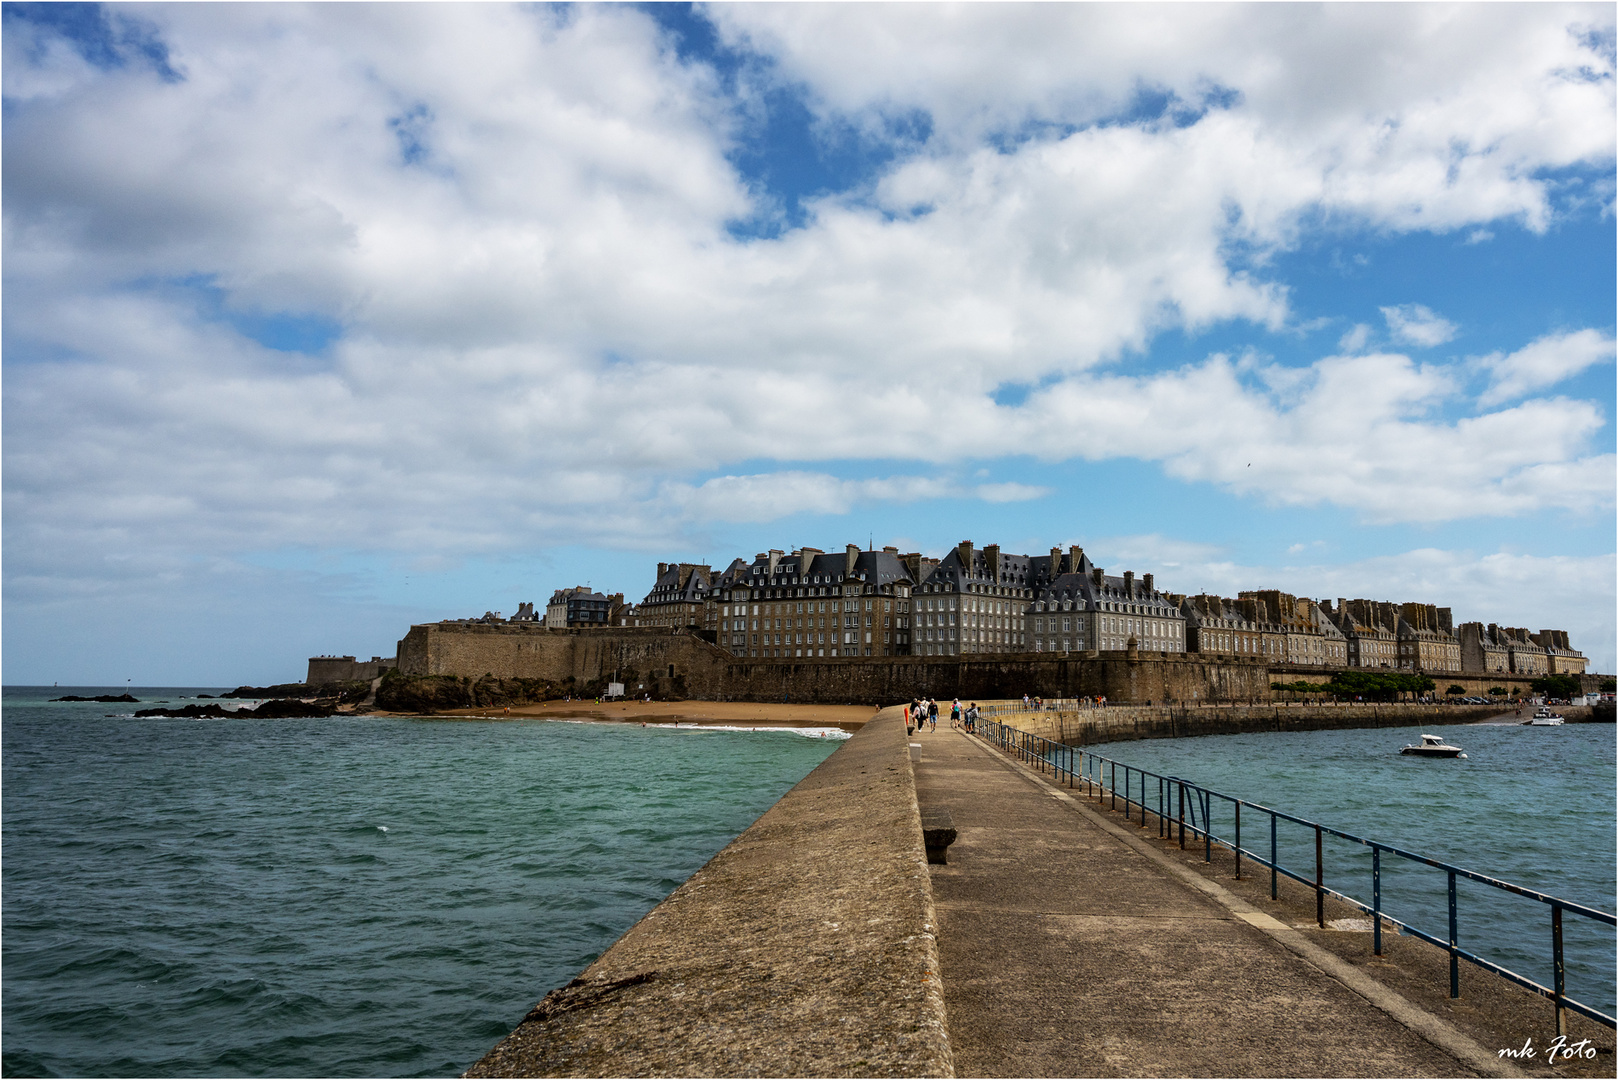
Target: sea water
column 1532, row 806
column 351, row 896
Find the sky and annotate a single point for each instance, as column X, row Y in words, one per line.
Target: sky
column 323, row 321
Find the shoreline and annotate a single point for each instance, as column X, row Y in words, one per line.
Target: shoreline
column 732, row 714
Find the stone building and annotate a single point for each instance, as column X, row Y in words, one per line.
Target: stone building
column 1527, row 655
column 1312, row 639
column 1370, row 630
column 970, row 601
column 1560, row 657
column 578, row 606
column 1427, row 639
column 1078, row 607
column 1482, row 651
column 1216, row 626
column 812, row 604
column 678, row 597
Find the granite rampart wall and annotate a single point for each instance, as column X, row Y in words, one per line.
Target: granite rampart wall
column 674, row 664
column 330, row 669
column 1088, row 727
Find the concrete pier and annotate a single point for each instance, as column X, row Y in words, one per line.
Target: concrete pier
column 804, row 948
column 1071, row 948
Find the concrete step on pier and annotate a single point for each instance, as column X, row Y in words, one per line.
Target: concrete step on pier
column 1069, row 947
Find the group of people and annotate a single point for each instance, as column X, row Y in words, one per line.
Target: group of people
column 924, row 711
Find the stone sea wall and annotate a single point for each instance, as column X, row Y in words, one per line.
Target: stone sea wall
column 674, row 664
column 1088, row 727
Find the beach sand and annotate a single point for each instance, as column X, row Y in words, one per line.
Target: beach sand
column 725, row 713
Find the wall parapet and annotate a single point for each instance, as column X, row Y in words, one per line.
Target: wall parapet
column 805, row 948
column 1126, row 723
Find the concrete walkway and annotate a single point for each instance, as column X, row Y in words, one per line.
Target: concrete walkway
column 1069, row 947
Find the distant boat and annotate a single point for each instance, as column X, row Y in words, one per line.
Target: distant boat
column 1433, row 746
column 1544, row 718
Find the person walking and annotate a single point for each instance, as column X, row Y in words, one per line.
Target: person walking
column 932, row 714
column 955, row 714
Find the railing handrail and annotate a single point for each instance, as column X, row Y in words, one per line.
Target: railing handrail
column 1028, row 741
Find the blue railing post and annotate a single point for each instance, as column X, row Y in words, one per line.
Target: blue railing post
column 1207, row 826
column 1376, row 899
column 1454, row 958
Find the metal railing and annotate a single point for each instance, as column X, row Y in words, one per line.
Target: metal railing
column 1183, row 806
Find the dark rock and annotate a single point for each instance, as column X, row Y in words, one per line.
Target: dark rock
column 279, row 690
column 433, row 693
column 100, row 697
column 280, row 709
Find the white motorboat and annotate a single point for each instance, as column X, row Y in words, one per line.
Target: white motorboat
column 1545, row 718
column 1433, row 746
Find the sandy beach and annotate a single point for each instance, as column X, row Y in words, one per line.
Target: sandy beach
column 726, row 713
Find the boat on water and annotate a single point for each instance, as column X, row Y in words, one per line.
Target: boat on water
column 1545, row 718
column 1433, row 746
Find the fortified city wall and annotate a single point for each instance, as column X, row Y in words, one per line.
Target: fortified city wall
column 331, row 669
column 675, row 664
column 1089, row 727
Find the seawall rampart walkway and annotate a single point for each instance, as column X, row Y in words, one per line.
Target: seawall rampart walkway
column 1121, row 723
column 804, row 948
column 1070, row 948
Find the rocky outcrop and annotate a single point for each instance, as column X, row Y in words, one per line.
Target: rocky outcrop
column 101, row 697
column 435, row 693
column 342, row 692
column 279, row 709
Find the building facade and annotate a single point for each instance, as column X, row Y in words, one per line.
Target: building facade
column 1077, row 607
column 578, row 606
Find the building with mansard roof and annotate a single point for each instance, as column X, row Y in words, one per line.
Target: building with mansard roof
column 810, row 603
column 1561, row 658
column 1427, row 639
column 578, row 606
column 1483, row 652
column 1078, row 607
column 1370, row 631
column 1217, row 626
column 969, row 602
column 1312, row 639
column 678, row 596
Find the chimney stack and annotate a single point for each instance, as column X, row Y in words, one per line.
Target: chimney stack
column 963, row 551
column 851, row 555
column 1146, row 580
column 1098, row 576
column 991, row 559
column 1129, row 584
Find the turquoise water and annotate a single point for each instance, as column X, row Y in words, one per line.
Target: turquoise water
column 335, row 897
column 1532, row 806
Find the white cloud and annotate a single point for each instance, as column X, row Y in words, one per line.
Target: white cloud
column 516, row 220
column 1010, row 491
column 1355, row 339
column 1542, row 363
column 1416, row 324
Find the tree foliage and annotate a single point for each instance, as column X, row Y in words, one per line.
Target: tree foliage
column 1562, row 686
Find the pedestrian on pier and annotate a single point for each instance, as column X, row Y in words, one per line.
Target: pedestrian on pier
column 932, row 714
